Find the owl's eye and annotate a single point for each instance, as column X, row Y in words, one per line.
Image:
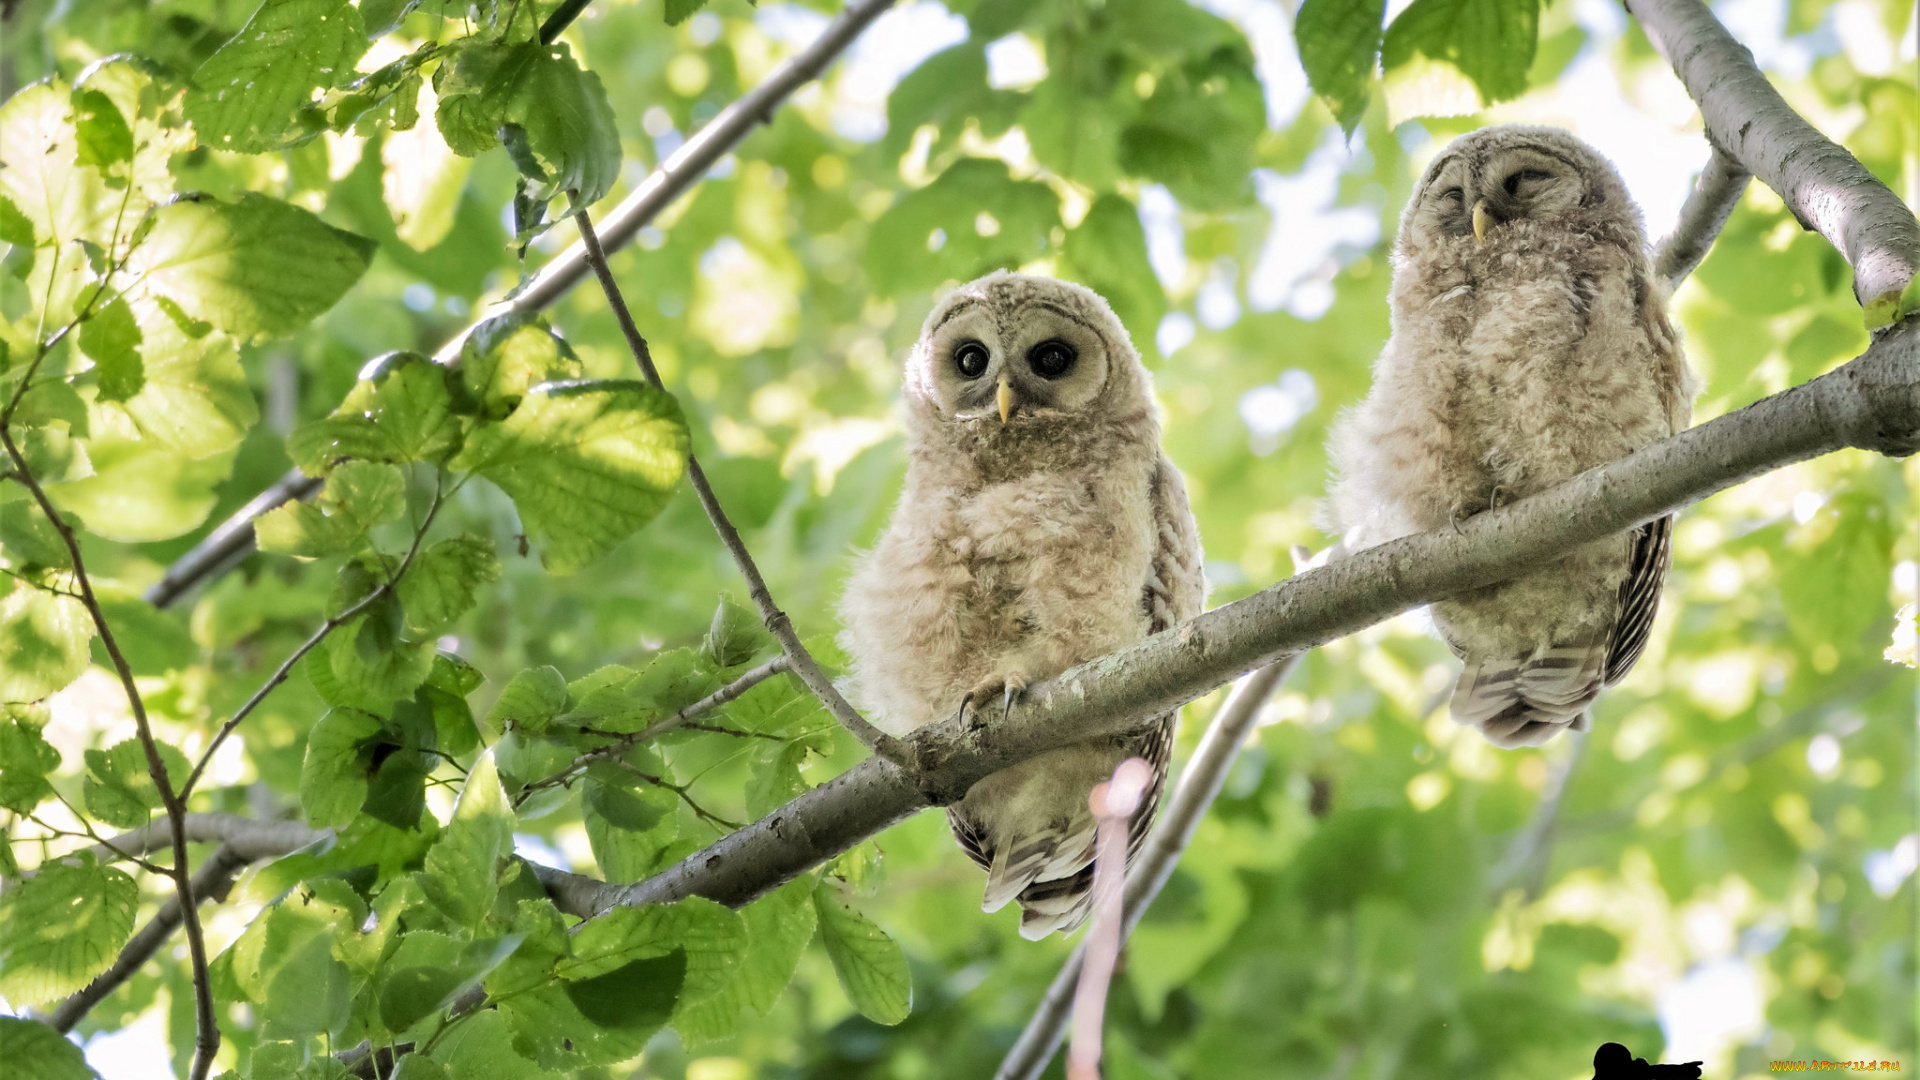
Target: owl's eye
column 1453, row 194
column 1524, row 176
column 1050, row 359
column 971, row 359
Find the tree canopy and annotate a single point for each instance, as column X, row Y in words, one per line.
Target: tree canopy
column 378, row 590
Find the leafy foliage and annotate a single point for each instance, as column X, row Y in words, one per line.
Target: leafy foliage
column 241, row 252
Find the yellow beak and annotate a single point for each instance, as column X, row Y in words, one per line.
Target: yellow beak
column 1480, row 218
column 1005, row 397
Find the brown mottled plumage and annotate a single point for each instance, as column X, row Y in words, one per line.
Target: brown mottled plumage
column 1530, row 343
column 1022, row 546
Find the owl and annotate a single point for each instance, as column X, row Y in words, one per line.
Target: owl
column 1529, row 343
column 1040, row 526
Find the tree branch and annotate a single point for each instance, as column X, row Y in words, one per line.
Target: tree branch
column 1824, row 186
column 212, row 882
column 1200, row 784
column 247, row 838
column 777, row 622
column 233, row 540
column 658, row 728
column 1722, row 182
column 207, row 1034
column 1872, row 403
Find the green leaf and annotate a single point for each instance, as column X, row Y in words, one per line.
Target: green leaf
column 1108, row 252
column 373, row 662
column 586, row 463
column 101, row 134
column 333, row 777
column 253, row 268
column 15, row 229
column 40, row 172
column 245, row 96
column 943, row 230
column 454, row 675
column 541, row 91
column 43, row 642
column 637, row 995
column 618, row 699
column 193, row 397
column 397, row 794
column 529, row 701
column 34, row 1051
column 734, row 634
column 26, row 760
column 506, row 356
column 462, row 869
column 359, row 495
column 481, row 1047
column 779, row 925
column 421, row 982
column 111, row 338
column 398, row 411
column 871, row 967
column 679, row 11
column 30, row 539
column 1339, row 41
column 139, row 490
column 1196, row 134
column 439, row 587
column 60, row 928
column 120, row 791
column 1490, row 41
column 713, row 938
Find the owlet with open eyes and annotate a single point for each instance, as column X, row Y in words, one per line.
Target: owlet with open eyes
column 1040, row 527
column 1529, row 343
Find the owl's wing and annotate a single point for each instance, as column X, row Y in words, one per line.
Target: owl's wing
column 1177, row 586
column 1640, row 596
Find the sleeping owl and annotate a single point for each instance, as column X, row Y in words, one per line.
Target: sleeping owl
column 1529, row 343
column 1041, row 526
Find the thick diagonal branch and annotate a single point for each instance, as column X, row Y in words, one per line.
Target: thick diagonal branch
column 1825, row 186
column 1872, row 403
column 233, row 540
column 778, row 624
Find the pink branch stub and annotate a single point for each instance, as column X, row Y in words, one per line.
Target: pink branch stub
column 1112, row 803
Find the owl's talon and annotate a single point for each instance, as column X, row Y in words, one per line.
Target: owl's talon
column 1016, row 685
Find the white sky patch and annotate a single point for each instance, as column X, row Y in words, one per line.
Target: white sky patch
column 1311, row 238
column 1823, row 755
column 1269, row 30
column 1015, row 62
column 1271, row 410
column 1761, row 25
column 1717, row 1005
column 1863, row 36
column 894, row 45
column 1217, row 304
column 1166, row 237
column 1175, row 333
column 131, row 1052
column 1887, row 870
column 538, row 851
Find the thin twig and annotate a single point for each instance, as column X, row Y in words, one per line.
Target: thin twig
column 1722, row 181
column 776, row 620
column 285, row 669
column 211, row 883
column 675, row 176
column 1200, row 783
column 625, row 743
column 1525, row 862
column 207, row 1036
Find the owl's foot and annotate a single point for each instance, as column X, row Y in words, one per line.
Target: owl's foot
column 1008, row 685
column 1493, row 500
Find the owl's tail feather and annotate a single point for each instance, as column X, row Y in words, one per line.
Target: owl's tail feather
column 1038, row 857
column 1527, row 700
column 1062, row 904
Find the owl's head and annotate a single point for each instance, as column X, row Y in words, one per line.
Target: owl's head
column 1014, row 353
column 1492, row 178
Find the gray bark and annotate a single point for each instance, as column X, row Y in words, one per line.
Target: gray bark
column 1825, row 187
column 1722, row 181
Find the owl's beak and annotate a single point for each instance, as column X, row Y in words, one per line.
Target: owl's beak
column 1480, row 219
column 1005, row 397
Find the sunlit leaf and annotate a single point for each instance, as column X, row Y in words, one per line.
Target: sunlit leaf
column 333, row 780
column 586, row 463
column 398, row 411
column 34, row 1051
column 43, row 642
column 119, row 789
column 60, row 928
column 1339, row 41
column 871, row 967
column 440, row 585
column 1491, row 41
column 252, row 268
column 462, row 866
column 244, row 97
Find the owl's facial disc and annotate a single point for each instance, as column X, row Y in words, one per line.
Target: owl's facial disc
column 1465, row 197
column 1014, row 365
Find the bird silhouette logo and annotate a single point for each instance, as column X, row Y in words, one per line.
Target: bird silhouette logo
column 1615, row 1062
